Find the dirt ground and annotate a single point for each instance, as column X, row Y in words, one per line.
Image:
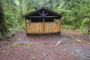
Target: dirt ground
column 66, row 46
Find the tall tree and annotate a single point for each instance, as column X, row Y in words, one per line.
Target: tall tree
column 3, row 27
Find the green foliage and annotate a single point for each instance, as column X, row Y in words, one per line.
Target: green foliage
column 76, row 13
column 67, row 26
column 3, row 25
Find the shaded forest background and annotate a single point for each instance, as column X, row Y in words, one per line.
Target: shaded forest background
column 76, row 13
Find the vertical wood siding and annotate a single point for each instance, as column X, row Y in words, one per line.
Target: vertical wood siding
column 47, row 27
column 52, row 27
column 89, row 26
column 34, row 28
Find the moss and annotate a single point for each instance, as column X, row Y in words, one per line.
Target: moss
column 24, row 44
column 79, row 41
column 1, row 44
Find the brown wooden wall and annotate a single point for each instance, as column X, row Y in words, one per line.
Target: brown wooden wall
column 40, row 27
column 89, row 26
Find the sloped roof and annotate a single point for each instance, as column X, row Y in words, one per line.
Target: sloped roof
column 45, row 9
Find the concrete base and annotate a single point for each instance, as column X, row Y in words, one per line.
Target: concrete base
column 43, row 34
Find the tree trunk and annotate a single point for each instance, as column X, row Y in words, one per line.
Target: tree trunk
column 3, row 27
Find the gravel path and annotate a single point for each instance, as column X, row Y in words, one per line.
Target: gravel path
column 60, row 47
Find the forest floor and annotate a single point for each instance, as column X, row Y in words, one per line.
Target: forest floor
column 70, row 45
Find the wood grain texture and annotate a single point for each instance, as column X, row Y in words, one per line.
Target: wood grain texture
column 46, row 27
column 26, row 25
column 35, row 28
column 89, row 26
column 52, row 27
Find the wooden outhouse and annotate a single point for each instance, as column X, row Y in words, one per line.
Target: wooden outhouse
column 43, row 22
